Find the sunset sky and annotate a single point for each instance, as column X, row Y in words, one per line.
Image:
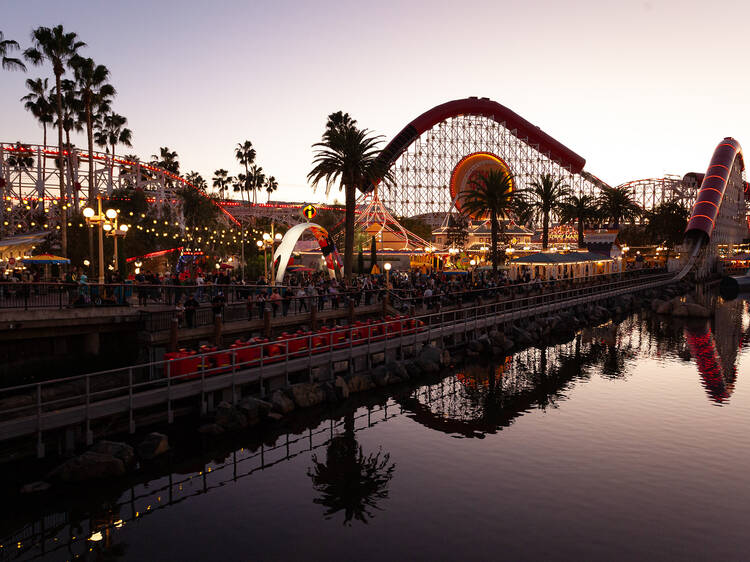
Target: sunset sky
column 639, row 89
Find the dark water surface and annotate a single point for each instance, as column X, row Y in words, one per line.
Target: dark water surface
column 629, row 442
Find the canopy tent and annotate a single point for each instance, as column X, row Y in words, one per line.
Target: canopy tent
column 569, row 265
column 45, row 259
column 20, row 245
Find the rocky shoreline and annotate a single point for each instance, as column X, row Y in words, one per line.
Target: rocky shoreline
column 109, row 459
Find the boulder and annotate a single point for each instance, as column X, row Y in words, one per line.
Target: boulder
column 341, row 388
column 275, row 416
column 428, row 366
column 497, row 338
column 153, row 445
column 306, row 395
column 36, row 487
column 664, row 307
column 412, row 368
column 697, row 310
column 121, row 451
column 229, row 417
column 281, row 402
column 211, row 429
column 360, row 383
column 254, row 409
column 331, row 396
column 381, row 377
column 435, row 355
column 680, row 310
column 398, row 372
column 88, row 466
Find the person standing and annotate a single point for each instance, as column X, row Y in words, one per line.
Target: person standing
column 191, row 306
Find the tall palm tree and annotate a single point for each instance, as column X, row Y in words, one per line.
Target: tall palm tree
column 95, row 94
column 255, row 180
column 347, row 155
column 245, row 154
column 221, row 181
column 110, row 130
column 7, row 46
column 71, row 122
column 616, row 203
column 197, row 180
column 579, row 209
column 38, row 102
column 545, row 197
column 492, row 195
column 57, row 47
column 271, row 186
column 240, row 184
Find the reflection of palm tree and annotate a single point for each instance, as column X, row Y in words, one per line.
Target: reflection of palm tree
column 349, row 480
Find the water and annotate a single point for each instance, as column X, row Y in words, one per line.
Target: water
column 629, row 442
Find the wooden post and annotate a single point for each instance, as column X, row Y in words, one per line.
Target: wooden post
column 217, row 329
column 385, row 304
column 313, row 315
column 351, row 312
column 173, row 334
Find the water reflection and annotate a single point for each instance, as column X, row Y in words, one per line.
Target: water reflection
column 348, row 480
column 352, row 484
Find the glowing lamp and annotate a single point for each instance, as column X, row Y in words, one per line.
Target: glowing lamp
column 88, row 212
column 86, row 263
column 124, row 227
column 107, row 227
column 387, row 266
column 266, row 236
column 259, row 243
column 473, row 263
column 111, row 213
column 278, row 236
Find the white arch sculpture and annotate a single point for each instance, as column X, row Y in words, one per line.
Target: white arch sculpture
column 285, row 249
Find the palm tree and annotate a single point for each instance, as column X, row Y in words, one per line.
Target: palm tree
column 545, row 197
column 95, row 94
column 245, row 154
column 347, row 155
column 110, row 130
column 615, row 203
column 56, row 47
column 37, row 101
column 70, row 122
column 197, row 180
column 666, row 224
column 255, row 179
column 239, row 183
column 581, row 209
column 167, row 160
column 21, row 160
column 6, row 47
column 221, row 181
column 271, row 186
column 492, row 195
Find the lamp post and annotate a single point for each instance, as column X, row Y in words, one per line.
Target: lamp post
column 116, row 231
column 387, row 267
column 261, row 244
column 97, row 218
column 472, row 263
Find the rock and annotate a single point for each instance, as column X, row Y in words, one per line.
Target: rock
column 680, row 310
column 211, row 429
column 306, row 395
column 153, row 445
column 427, row 366
column 413, row 369
column 330, row 393
column 341, row 388
column 229, row 417
column 664, row 307
column 697, row 310
column 360, row 383
column 254, row 409
column 380, row 377
column 433, row 354
column 398, row 372
column 497, row 338
column 281, row 402
column 508, row 344
column 445, row 358
column 88, row 466
column 36, row 487
column 275, row 416
column 121, row 451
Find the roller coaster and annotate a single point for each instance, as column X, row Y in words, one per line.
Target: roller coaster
column 422, row 158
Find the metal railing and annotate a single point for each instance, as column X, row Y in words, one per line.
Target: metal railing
column 123, row 385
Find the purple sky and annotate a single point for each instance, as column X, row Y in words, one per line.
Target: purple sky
column 639, row 89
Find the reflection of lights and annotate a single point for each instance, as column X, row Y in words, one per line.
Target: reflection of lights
column 96, row 537
column 86, row 263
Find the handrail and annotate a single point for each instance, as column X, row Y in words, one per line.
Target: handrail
column 507, row 306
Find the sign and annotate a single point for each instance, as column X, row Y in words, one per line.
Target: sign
column 309, row 212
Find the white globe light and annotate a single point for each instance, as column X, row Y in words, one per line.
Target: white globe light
column 259, row 243
column 217, row 266
column 88, row 212
column 473, row 262
column 266, row 236
column 111, row 213
column 107, row 227
column 387, row 266
column 86, row 263
column 278, row 236
column 124, row 227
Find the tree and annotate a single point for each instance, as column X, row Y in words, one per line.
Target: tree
column 95, row 94
column 347, row 155
column 7, row 46
column 21, row 160
column 360, row 261
column 615, row 203
column 523, row 212
column 581, row 209
column 38, row 102
column 255, row 180
column 245, row 154
column 271, row 186
column 57, row 47
column 111, row 130
column 545, row 197
column 167, row 160
column 667, row 223
column 197, row 181
column 457, row 231
column 491, row 194
column 221, row 181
